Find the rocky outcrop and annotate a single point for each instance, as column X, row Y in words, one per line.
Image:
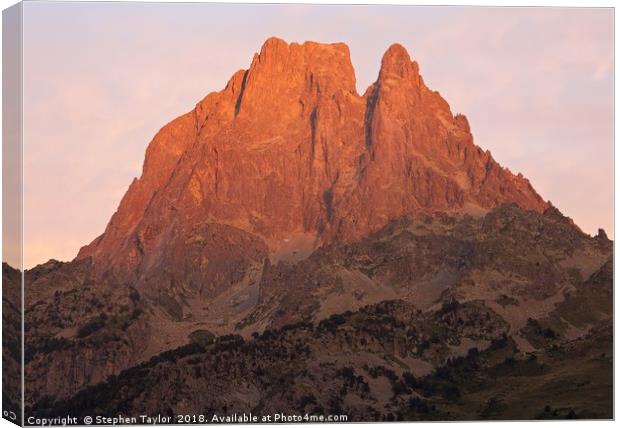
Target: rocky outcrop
column 289, row 148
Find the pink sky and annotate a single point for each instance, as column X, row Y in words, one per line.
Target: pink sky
column 101, row 78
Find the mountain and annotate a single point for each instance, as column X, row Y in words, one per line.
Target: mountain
column 290, row 153
column 294, row 246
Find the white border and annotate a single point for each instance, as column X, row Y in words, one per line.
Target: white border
column 565, row 3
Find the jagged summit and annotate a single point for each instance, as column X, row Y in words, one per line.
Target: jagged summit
column 274, row 46
column 397, row 63
column 291, row 154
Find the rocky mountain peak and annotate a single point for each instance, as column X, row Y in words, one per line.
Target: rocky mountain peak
column 293, row 73
column 272, row 47
column 397, row 63
column 290, row 154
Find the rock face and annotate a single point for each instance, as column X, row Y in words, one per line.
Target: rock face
column 289, row 152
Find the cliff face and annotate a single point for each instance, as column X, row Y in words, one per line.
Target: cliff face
column 290, row 153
